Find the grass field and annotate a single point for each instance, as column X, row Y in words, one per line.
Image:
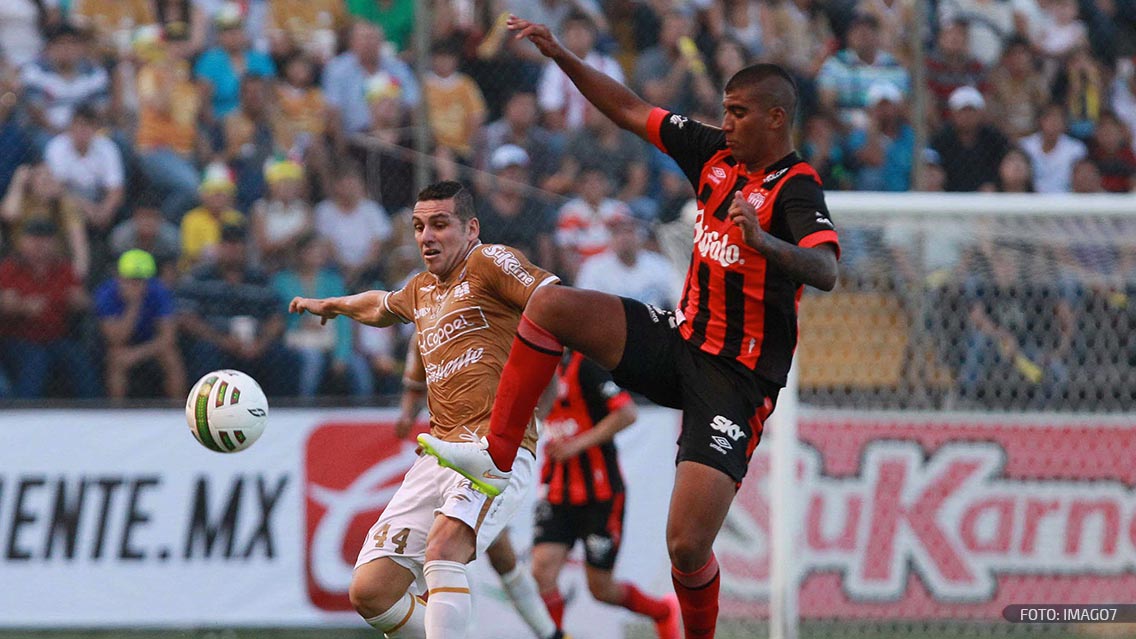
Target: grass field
column 727, row 630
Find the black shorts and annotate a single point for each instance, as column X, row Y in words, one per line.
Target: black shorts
column 723, row 403
column 599, row 524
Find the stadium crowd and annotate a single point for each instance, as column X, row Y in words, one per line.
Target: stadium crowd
column 173, row 171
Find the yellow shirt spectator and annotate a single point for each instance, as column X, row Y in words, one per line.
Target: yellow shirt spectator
column 169, row 106
column 201, row 231
column 454, row 103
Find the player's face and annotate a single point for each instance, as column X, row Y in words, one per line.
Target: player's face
column 748, row 124
column 443, row 239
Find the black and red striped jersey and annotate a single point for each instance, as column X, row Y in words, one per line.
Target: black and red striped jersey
column 734, row 303
column 586, row 394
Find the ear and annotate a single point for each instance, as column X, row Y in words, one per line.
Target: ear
column 474, row 228
column 777, row 117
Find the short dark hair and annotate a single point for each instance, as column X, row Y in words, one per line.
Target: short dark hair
column 451, row 190
column 780, row 89
column 578, row 17
column 88, row 113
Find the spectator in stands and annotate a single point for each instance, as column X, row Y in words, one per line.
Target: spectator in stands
column 800, row 40
column 970, row 148
column 932, row 177
column 844, row 78
column 345, row 77
column 667, row 74
column 394, row 17
column 1020, row 331
column 357, row 228
column 510, row 212
column 993, row 25
column 304, row 120
column 743, row 22
column 169, row 111
column 950, row 65
column 581, row 228
column 183, row 22
column 1086, row 177
column 22, row 25
column 727, row 58
column 387, row 149
column 304, row 28
column 824, row 150
column 896, row 18
column 455, row 106
column 136, row 317
column 321, row 351
column 234, row 318
column 110, row 23
column 90, row 168
column 1018, row 91
column 1111, row 150
column 61, row 80
column 247, row 140
column 280, row 220
column 622, row 155
column 201, row 227
column 40, row 296
column 15, row 144
column 1052, row 152
column 1015, row 173
column 149, row 231
column 629, row 270
column 35, row 196
column 220, row 70
column 884, row 150
column 562, row 103
column 1060, row 30
column 1123, row 95
column 519, row 126
column 1080, row 85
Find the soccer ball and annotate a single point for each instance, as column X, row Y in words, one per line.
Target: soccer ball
column 226, row 411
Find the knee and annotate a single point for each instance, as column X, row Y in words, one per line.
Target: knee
column 371, row 598
column 688, row 551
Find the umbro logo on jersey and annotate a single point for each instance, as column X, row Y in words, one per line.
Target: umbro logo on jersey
column 717, row 174
column 678, row 120
column 461, row 290
column 823, row 219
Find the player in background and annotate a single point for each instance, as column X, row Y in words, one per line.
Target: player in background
column 466, row 307
column 761, row 233
column 583, row 492
column 518, row 582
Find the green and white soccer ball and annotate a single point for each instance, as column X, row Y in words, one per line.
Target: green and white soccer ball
column 226, row 411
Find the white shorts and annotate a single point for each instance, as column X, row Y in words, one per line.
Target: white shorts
column 429, row 490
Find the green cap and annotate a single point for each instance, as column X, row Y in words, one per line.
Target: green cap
column 137, row 264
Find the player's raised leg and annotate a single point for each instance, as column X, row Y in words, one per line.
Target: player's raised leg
column 590, row 322
column 380, row 594
column 699, row 503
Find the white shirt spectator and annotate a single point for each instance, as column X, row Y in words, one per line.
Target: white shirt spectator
column 584, row 229
column 20, row 39
column 59, row 95
column 651, row 280
column 90, row 174
column 1053, row 170
column 353, row 233
column 556, row 92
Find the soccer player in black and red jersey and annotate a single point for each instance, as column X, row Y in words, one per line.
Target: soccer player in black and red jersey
column 762, row 232
column 584, row 495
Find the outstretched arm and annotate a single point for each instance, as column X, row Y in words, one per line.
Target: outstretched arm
column 366, row 308
column 614, row 100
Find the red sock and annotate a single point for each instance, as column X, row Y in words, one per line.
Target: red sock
column 555, row 604
column 635, row 601
column 532, row 362
column 698, row 598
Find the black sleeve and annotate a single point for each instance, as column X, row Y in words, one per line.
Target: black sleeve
column 800, row 203
column 689, row 142
column 597, row 387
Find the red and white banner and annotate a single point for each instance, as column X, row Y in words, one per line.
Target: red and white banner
column 926, row 516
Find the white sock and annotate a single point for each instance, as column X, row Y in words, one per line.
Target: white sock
column 449, row 606
column 522, row 589
column 404, row 620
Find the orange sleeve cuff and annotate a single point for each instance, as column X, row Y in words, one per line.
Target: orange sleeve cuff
column 654, row 124
column 619, row 401
column 821, row 237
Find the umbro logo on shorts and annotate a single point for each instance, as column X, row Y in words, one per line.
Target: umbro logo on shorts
column 720, row 444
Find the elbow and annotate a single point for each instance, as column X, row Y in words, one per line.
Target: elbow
column 827, row 281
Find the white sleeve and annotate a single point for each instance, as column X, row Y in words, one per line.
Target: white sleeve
column 549, row 95
column 380, row 221
column 112, row 169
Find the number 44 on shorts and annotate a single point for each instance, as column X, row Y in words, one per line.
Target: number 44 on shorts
column 399, row 540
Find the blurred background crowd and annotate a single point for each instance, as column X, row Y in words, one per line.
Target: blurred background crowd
column 174, row 171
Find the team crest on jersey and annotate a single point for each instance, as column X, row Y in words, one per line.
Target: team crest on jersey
column 756, row 199
column 461, row 291
column 717, row 174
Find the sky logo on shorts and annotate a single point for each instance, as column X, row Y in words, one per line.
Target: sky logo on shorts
column 727, row 428
column 343, row 496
